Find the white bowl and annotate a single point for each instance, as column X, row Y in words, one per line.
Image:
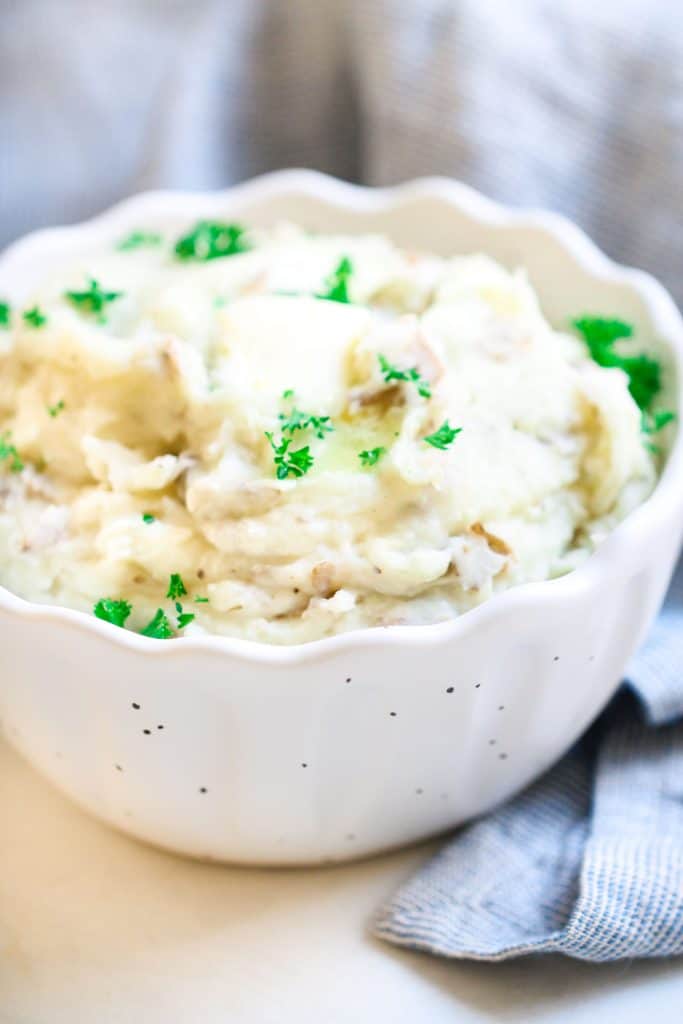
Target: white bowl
column 228, row 749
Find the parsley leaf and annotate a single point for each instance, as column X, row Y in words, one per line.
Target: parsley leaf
column 138, row 240
column 644, row 376
column 147, row 517
column 176, row 587
column 201, row 600
column 337, row 284
column 34, row 317
column 54, row 410
column 184, row 618
column 295, row 420
column 413, row 375
column 8, row 451
column 4, row 314
column 600, row 333
column 443, row 437
column 371, row 457
column 297, row 462
column 159, row 628
column 210, row 240
column 652, row 423
column 115, row 612
column 320, row 425
column 643, row 372
column 94, row 299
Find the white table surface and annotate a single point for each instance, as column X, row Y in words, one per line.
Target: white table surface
column 97, row 929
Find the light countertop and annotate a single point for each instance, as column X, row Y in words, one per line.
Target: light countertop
column 97, row 929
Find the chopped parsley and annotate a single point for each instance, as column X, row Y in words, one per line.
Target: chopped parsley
column 600, row 333
column 176, row 587
column 116, row 612
column 296, row 463
column 337, row 284
column 370, row 457
column 413, row 375
column 9, row 452
column 211, row 240
column 652, row 423
column 295, row 420
column 201, row 600
column 54, row 410
column 184, row 618
column 4, row 314
column 34, row 318
column 139, row 240
column 443, row 437
column 643, row 372
column 93, row 300
column 148, row 518
column 159, row 628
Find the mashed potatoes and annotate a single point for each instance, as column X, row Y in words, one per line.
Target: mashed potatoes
column 281, row 436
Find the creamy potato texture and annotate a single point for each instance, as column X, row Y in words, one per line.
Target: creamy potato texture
column 316, row 434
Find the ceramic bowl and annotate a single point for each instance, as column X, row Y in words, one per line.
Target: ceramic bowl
column 233, row 750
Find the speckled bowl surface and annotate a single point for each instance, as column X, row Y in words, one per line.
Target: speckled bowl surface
column 238, row 751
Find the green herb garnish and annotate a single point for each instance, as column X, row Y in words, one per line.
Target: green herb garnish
column 176, row 587
column 8, row 451
column 159, row 628
column 296, row 463
column 413, row 375
column 115, row 612
column 4, row 314
column 337, row 284
column 147, row 517
column 201, row 600
column 652, row 423
column 184, row 618
column 139, row 240
column 370, row 457
column 211, row 240
column 443, row 437
column 643, row 372
column 54, row 410
column 295, row 420
column 93, row 300
column 33, row 317
column 600, row 333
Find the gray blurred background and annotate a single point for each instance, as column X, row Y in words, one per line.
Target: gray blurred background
column 576, row 105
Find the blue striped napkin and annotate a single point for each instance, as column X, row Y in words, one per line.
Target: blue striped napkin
column 588, row 861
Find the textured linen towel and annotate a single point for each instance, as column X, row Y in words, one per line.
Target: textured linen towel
column 589, row 860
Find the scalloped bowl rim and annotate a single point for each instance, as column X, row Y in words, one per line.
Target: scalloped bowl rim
column 661, row 311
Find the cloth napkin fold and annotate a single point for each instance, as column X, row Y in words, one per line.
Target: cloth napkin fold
column 588, row 861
